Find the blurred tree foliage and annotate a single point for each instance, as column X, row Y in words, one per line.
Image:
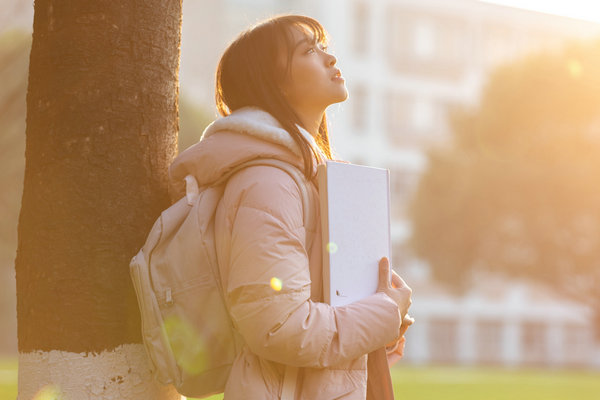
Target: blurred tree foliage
column 14, row 63
column 516, row 190
column 14, row 66
column 192, row 121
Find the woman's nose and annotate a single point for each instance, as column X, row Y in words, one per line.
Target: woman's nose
column 331, row 60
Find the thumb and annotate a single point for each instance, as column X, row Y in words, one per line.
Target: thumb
column 397, row 281
column 384, row 273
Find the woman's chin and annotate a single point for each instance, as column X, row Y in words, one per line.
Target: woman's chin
column 341, row 96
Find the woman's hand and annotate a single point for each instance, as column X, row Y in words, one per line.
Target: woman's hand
column 395, row 350
column 397, row 289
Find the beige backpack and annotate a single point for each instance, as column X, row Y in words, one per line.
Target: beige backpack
column 186, row 328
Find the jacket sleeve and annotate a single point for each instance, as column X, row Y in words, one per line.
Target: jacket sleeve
column 281, row 323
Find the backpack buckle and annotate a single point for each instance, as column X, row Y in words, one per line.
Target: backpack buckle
column 191, row 189
column 168, row 297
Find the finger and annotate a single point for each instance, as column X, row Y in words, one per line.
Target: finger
column 401, row 345
column 396, row 355
column 396, row 280
column 393, row 358
column 403, row 329
column 384, row 273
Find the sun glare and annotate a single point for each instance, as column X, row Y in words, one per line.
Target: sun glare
column 579, row 9
column 49, row 392
column 575, row 68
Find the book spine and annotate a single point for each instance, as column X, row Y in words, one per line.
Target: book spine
column 324, row 211
column 389, row 227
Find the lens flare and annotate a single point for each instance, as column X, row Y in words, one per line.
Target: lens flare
column 332, row 248
column 575, row 68
column 49, row 392
column 188, row 347
column 276, row 284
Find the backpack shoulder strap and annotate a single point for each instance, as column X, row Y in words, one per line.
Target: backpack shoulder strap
column 298, row 177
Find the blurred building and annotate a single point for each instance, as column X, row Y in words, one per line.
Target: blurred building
column 499, row 322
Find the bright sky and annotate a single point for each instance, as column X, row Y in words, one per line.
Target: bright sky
column 581, row 9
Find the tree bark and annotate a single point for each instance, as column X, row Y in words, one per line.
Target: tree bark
column 101, row 132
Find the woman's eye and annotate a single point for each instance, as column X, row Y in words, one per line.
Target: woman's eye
column 313, row 49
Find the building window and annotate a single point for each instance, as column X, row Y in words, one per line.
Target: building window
column 424, row 39
column 578, row 342
column 423, row 115
column 398, row 29
column 533, row 342
column 403, row 183
column 433, row 45
column 443, row 340
column 360, row 29
column 409, row 118
column 454, row 42
column 397, row 118
column 489, row 341
column 358, row 101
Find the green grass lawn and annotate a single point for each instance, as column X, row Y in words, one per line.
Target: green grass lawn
column 8, row 378
column 445, row 383
column 454, row 383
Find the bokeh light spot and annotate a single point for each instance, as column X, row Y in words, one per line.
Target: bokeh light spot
column 332, row 248
column 49, row 392
column 276, row 284
column 575, row 68
column 186, row 343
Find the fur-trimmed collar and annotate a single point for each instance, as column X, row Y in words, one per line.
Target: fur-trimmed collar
column 255, row 122
column 244, row 135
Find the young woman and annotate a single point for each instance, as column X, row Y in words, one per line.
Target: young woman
column 273, row 84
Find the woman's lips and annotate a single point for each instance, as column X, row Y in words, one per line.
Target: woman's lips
column 337, row 76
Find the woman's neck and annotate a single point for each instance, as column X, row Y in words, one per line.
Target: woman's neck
column 311, row 120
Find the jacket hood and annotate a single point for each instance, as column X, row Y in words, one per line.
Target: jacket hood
column 246, row 134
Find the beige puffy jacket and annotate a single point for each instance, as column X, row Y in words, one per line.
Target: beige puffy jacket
column 259, row 236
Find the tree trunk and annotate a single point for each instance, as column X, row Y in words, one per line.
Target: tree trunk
column 101, row 132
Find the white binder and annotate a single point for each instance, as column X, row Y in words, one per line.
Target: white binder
column 355, row 222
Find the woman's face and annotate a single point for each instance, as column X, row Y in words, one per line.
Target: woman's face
column 313, row 82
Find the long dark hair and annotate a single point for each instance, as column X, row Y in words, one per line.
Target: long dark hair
column 250, row 71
